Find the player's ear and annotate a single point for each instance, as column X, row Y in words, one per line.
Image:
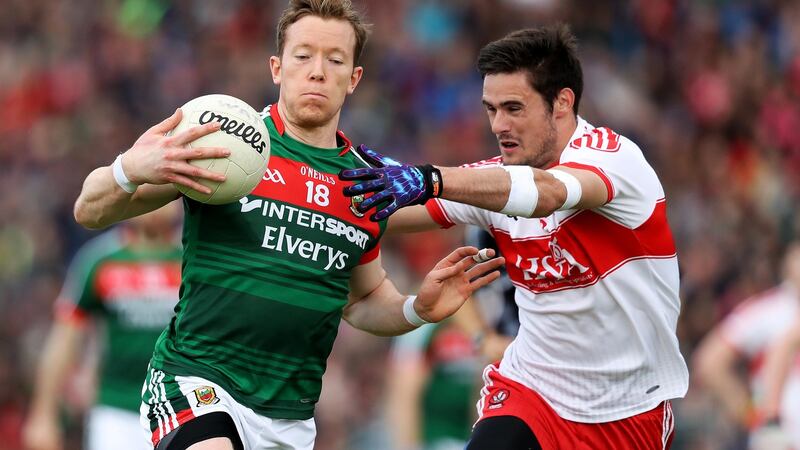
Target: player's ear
column 275, row 69
column 355, row 77
column 562, row 105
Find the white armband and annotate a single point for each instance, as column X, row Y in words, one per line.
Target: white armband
column 524, row 195
column 410, row 314
column 574, row 189
column 120, row 177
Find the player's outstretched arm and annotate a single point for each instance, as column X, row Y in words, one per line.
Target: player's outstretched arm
column 140, row 179
column 377, row 307
column 521, row 191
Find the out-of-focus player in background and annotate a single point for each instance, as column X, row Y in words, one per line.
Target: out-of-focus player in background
column 781, row 396
column 431, row 388
column 267, row 280
column 125, row 284
column 580, row 217
column 434, row 371
column 745, row 336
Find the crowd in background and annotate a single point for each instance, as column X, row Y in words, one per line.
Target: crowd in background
column 709, row 89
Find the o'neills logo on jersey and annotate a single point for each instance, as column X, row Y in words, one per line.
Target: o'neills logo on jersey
column 241, row 130
column 315, row 174
column 544, row 272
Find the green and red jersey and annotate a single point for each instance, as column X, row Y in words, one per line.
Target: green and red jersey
column 448, row 398
column 132, row 292
column 265, row 279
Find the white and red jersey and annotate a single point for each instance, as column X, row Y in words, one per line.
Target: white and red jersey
column 750, row 330
column 597, row 289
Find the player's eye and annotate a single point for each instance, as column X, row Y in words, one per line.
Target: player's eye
column 302, row 56
column 337, row 61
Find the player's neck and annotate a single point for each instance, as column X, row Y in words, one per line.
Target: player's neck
column 323, row 136
column 565, row 128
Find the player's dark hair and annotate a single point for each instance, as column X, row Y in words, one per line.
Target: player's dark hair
column 326, row 9
column 547, row 54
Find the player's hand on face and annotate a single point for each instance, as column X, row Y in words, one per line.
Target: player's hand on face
column 452, row 281
column 42, row 432
column 393, row 183
column 156, row 158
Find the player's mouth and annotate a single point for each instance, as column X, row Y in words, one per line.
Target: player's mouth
column 508, row 145
column 316, row 95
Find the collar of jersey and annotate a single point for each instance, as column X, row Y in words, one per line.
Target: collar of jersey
column 341, row 139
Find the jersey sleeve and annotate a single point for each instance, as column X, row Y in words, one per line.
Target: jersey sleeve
column 413, row 344
column 632, row 184
column 447, row 213
column 77, row 299
column 370, row 254
column 748, row 328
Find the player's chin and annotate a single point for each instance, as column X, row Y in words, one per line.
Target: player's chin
column 511, row 158
column 313, row 115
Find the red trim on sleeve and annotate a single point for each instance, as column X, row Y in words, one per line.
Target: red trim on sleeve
column 599, row 172
column 370, row 255
column 438, row 214
column 66, row 311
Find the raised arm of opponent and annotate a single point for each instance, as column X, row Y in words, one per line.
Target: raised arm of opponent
column 140, row 180
column 521, row 191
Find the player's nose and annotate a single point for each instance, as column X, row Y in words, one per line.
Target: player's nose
column 500, row 123
column 317, row 72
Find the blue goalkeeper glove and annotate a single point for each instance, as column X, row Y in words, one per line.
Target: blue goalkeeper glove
column 393, row 184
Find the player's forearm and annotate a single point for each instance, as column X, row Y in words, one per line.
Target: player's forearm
column 728, row 389
column 490, row 188
column 380, row 312
column 776, row 369
column 404, row 410
column 102, row 202
column 56, row 359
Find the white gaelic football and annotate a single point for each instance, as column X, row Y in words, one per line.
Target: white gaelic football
column 242, row 131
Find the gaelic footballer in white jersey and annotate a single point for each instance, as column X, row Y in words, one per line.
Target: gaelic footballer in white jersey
column 750, row 330
column 597, row 289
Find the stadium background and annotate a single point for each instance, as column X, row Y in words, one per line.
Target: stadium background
column 709, row 89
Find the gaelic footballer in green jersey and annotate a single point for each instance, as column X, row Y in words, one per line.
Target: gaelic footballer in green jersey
column 132, row 292
column 264, row 284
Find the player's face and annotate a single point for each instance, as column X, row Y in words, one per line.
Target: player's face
column 519, row 117
column 316, row 70
column 159, row 223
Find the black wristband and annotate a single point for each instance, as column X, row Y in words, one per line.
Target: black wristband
column 433, row 182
